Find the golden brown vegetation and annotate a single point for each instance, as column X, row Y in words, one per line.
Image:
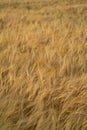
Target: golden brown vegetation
column 43, row 65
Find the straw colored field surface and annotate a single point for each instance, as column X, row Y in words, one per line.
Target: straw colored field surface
column 43, row 65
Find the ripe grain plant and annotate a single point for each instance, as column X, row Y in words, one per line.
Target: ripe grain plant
column 43, row 65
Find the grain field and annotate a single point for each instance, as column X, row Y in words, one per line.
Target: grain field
column 43, row 64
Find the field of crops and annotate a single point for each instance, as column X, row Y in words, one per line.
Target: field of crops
column 43, row 64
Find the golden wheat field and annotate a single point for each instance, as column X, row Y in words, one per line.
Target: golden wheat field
column 43, row 64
